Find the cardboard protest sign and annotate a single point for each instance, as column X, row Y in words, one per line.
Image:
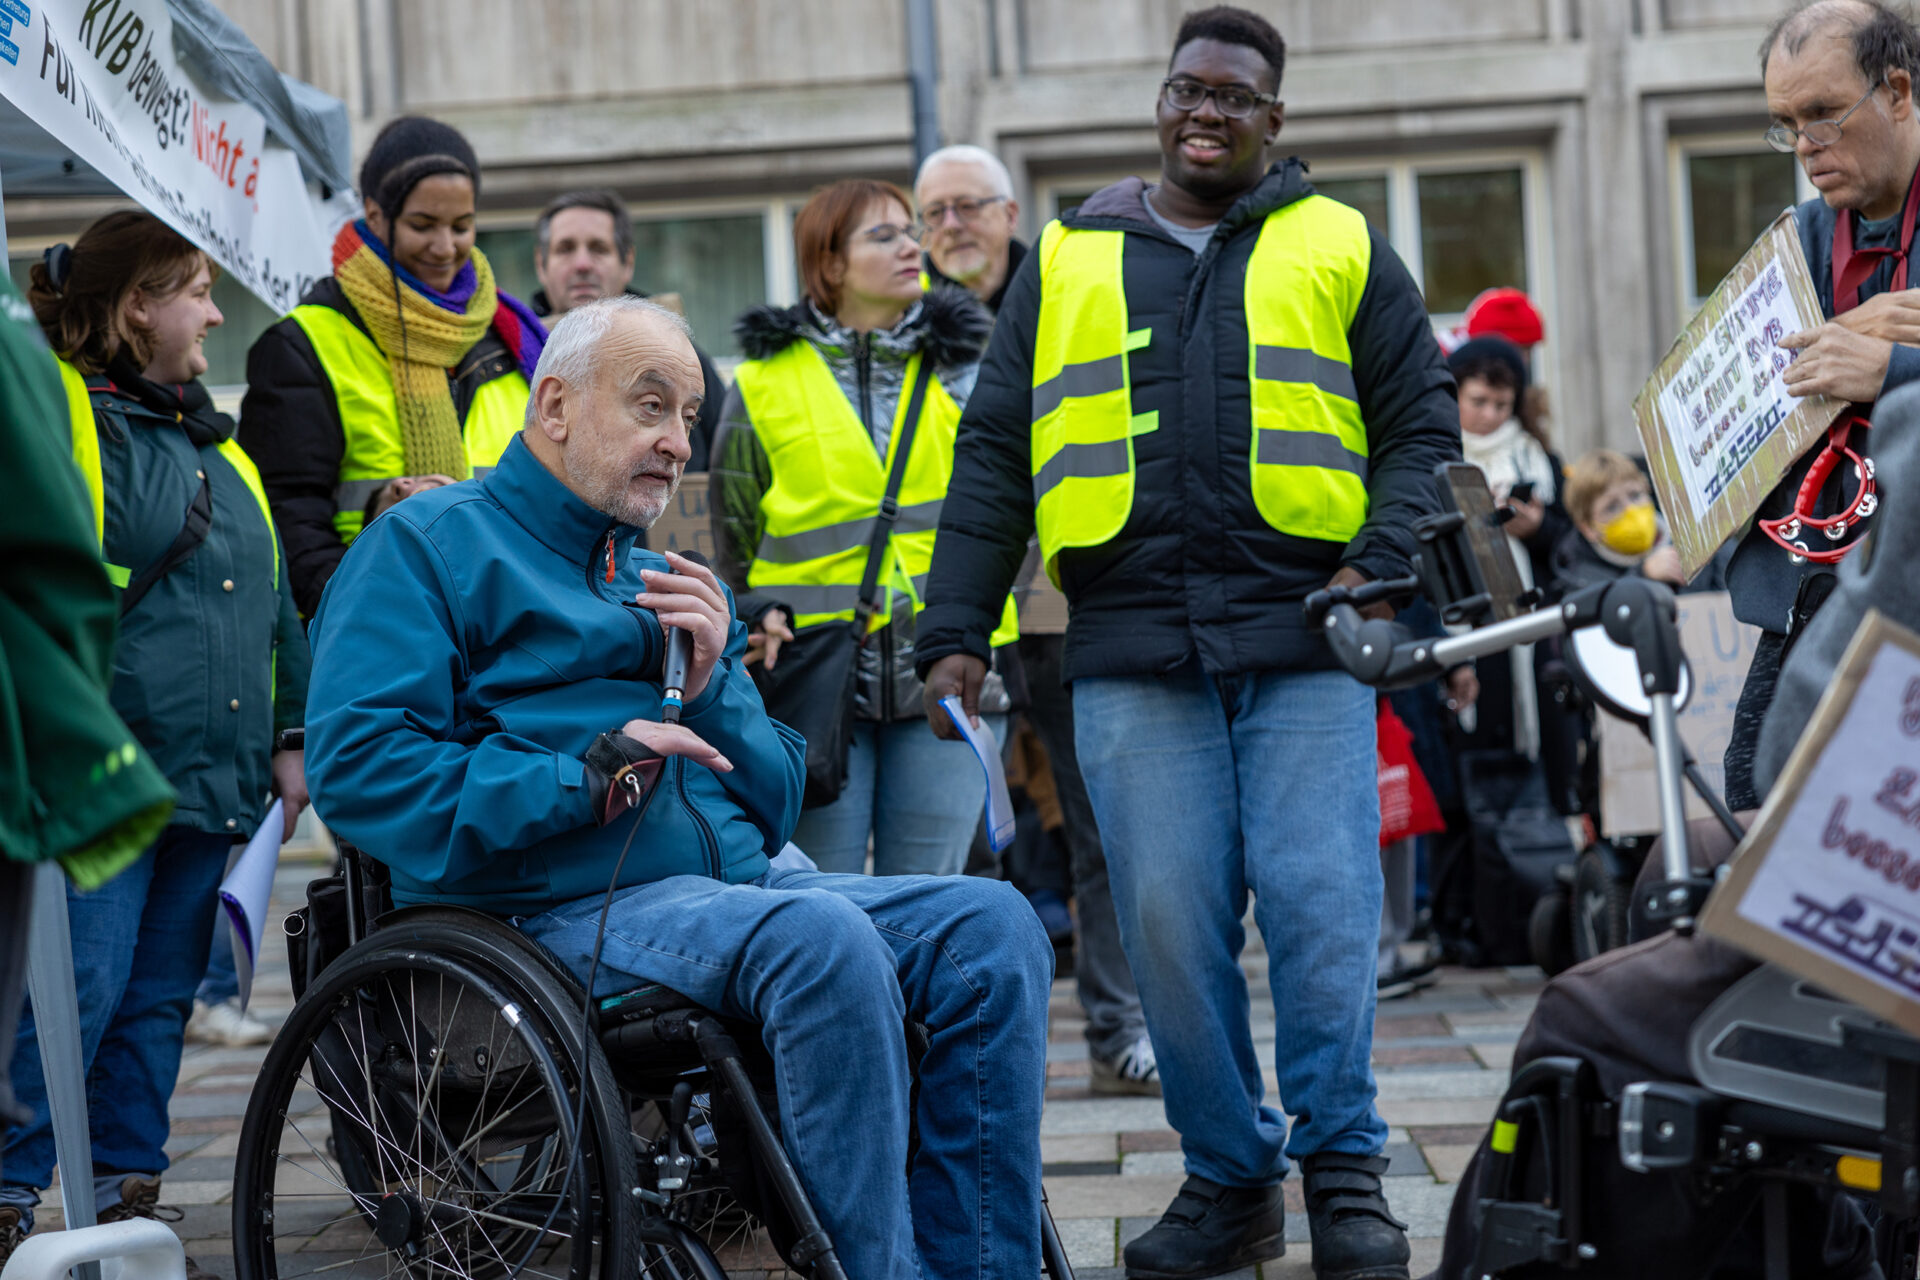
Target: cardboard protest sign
column 104, row 80
column 684, row 526
column 1719, row 649
column 1717, row 424
column 1827, row 884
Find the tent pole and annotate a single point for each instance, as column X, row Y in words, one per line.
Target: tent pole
column 56, row 1024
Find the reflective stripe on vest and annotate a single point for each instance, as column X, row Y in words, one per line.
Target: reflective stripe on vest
column 819, row 511
column 86, row 454
column 362, row 382
column 1308, row 446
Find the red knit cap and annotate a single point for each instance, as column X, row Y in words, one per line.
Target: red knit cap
column 1507, row 312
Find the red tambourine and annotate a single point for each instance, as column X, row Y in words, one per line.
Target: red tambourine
column 1791, row 530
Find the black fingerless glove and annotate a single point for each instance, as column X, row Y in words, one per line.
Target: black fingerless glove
column 620, row 773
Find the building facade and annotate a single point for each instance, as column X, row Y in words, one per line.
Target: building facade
column 1605, row 155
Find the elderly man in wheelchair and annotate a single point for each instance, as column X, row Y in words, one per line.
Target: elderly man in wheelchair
column 489, row 722
column 1677, row 1108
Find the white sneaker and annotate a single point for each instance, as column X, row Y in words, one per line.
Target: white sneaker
column 227, row 1024
column 1131, row 1071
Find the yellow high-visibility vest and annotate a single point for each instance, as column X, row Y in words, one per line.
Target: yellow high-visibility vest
column 86, row 455
column 1308, row 444
column 370, row 414
column 827, row 485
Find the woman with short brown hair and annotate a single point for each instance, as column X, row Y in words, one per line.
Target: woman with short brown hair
column 800, row 465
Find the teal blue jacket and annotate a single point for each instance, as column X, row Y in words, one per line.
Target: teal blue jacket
column 467, row 652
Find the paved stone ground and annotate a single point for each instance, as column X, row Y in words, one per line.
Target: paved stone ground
column 1111, row 1164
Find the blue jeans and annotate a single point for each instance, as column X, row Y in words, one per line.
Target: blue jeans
column 140, row 948
column 221, row 982
column 1208, row 789
column 918, row 796
column 831, row 966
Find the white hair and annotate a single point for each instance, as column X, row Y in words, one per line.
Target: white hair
column 967, row 153
column 573, row 347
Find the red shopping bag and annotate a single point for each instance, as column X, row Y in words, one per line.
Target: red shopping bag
column 1407, row 806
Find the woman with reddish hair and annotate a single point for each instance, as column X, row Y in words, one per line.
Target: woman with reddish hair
column 806, row 444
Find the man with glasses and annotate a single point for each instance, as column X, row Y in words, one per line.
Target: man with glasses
column 1210, row 396
column 1839, row 77
column 966, row 203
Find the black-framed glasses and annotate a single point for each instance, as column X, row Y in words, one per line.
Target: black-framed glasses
column 1821, row 133
column 966, row 209
column 1234, row 101
column 888, row 233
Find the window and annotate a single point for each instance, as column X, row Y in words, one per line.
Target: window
column 1365, row 192
column 716, row 264
column 1472, row 235
column 1726, row 198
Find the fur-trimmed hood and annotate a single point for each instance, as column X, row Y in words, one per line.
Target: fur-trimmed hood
column 948, row 324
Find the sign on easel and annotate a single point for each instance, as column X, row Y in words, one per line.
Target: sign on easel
column 1717, row 424
column 1827, row 883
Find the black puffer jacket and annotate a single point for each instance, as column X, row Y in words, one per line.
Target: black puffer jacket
column 290, row 427
column 948, row 326
column 1196, row 568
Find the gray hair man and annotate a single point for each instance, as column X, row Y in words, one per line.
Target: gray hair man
column 965, row 198
column 1840, row 78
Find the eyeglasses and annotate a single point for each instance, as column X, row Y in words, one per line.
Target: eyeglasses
column 1821, row 133
column 967, row 210
column 1234, row 102
column 889, row 232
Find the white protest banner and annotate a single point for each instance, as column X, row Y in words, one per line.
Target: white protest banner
column 1717, row 424
column 1827, row 883
column 1719, row 649
column 101, row 76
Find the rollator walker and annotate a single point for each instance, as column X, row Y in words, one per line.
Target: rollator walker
column 1795, row 1086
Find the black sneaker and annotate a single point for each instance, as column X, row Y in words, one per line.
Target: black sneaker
column 1354, row 1235
column 1210, row 1229
column 140, row 1198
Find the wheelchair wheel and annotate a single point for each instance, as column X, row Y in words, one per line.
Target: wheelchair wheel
column 416, row 1115
column 1600, row 905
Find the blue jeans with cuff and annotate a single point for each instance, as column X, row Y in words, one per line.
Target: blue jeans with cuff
column 1209, row 789
column 831, row 966
column 139, row 950
column 919, row 796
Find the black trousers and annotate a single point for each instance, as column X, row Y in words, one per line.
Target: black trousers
column 1628, row 1013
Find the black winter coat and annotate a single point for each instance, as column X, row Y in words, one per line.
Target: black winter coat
column 290, row 427
column 1195, row 569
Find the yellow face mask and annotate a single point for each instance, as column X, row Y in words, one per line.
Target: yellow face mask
column 1632, row 532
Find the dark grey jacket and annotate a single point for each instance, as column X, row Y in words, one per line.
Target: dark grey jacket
column 950, row 326
column 1196, row 568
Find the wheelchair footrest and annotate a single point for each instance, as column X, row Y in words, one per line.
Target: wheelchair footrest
column 1515, row 1233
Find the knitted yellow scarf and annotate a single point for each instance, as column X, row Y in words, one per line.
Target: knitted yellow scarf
column 422, row 340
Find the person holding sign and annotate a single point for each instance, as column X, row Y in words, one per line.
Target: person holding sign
column 1840, row 77
column 404, row 370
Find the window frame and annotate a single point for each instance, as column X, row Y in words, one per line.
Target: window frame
column 1682, row 148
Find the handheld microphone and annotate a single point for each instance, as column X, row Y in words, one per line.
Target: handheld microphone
column 679, row 661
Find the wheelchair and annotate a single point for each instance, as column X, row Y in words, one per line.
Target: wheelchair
column 433, row 1106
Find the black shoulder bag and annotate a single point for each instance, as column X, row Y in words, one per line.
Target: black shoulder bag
column 192, row 533
column 811, row 688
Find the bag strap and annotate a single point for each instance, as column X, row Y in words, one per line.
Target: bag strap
column 192, row 533
column 866, row 606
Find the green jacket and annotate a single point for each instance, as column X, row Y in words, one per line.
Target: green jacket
column 213, row 661
column 74, row 784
